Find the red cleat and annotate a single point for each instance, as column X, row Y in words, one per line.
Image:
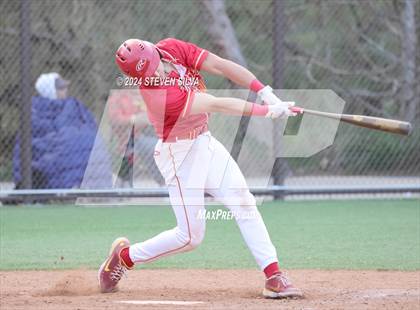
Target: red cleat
column 279, row 286
column 113, row 268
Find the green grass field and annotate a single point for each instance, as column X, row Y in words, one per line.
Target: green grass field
column 351, row 234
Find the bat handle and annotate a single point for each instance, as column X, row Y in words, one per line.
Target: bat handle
column 297, row 110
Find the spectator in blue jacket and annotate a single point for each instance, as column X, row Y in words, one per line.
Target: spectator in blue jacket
column 63, row 135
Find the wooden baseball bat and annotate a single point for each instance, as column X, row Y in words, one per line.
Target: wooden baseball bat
column 378, row 123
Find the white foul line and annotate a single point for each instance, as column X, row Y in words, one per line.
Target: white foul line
column 160, row 302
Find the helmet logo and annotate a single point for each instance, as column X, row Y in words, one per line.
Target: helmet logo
column 140, row 64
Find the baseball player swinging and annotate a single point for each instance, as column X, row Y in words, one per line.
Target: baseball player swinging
column 190, row 159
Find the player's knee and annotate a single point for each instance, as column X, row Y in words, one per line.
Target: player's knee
column 197, row 231
column 193, row 236
column 244, row 207
column 247, row 199
column 196, row 239
column 239, row 199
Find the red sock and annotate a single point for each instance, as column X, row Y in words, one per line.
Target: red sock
column 271, row 269
column 125, row 256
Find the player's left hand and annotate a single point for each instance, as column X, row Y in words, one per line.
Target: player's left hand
column 267, row 96
column 277, row 108
column 281, row 109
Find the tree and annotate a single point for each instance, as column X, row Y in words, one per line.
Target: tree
column 366, row 51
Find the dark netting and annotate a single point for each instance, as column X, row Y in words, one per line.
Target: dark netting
column 365, row 51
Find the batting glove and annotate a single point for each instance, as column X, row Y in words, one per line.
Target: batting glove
column 276, row 107
column 280, row 109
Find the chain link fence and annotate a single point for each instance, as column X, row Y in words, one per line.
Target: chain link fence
column 365, row 51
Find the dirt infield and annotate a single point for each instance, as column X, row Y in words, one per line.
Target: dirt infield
column 214, row 289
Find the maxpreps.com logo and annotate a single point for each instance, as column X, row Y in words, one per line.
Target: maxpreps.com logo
column 140, row 65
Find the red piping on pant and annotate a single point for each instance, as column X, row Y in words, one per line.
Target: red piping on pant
column 186, row 216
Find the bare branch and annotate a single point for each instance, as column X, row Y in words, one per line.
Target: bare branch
column 370, row 74
column 309, row 75
column 380, row 48
column 393, row 29
column 38, row 36
column 372, row 94
column 348, row 93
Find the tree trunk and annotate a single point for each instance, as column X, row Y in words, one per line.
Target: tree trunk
column 408, row 58
column 221, row 31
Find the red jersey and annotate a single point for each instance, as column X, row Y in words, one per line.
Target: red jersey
column 169, row 101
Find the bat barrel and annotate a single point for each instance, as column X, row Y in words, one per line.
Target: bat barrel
column 383, row 124
column 406, row 128
column 388, row 125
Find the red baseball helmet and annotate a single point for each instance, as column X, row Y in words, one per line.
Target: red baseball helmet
column 137, row 58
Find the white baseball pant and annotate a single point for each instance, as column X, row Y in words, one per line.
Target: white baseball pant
column 192, row 168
